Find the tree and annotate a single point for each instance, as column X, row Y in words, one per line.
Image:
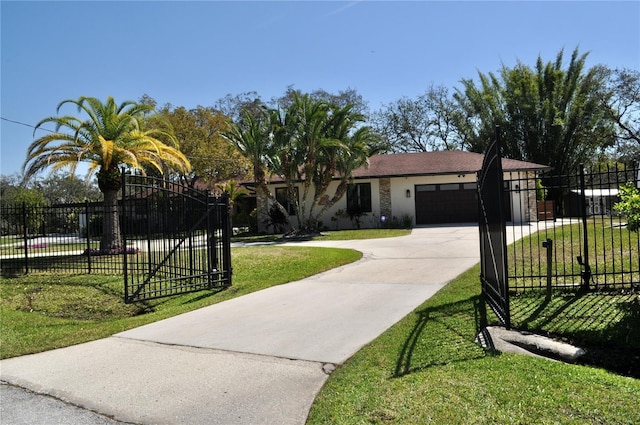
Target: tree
column 424, row 124
column 314, row 142
column 65, row 188
column 199, row 133
column 308, row 142
column 12, row 195
column 629, row 205
column 234, row 191
column 251, row 135
column 625, row 109
column 109, row 137
column 548, row 115
column 349, row 97
column 236, row 106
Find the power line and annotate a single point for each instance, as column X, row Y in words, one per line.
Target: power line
column 25, row 124
column 44, row 129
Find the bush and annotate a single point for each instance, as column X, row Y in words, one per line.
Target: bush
column 253, row 221
column 276, row 219
column 629, row 205
column 404, row 222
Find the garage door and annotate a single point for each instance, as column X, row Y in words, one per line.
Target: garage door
column 446, row 203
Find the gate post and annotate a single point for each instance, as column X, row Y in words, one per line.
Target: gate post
column 123, row 231
column 25, row 237
column 212, row 244
column 584, row 261
column 88, row 231
column 226, row 238
column 493, row 245
column 548, row 244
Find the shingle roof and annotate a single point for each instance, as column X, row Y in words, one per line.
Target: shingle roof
column 434, row 163
column 430, row 164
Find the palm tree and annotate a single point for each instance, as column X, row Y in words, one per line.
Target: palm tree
column 253, row 138
column 547, row 114
column 235, row 192
column 112, row 136
column 357, row 147
column 308, row 143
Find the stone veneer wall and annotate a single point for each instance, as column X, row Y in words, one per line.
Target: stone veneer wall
column 385, row 197
column 262, row 206
column 531, row 206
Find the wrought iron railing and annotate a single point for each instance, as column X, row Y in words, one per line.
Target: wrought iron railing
column 576, row 239
column 58, row 238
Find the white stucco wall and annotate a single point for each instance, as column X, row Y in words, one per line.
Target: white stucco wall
column 369, row 220
column 522, row 196
column 401, row 205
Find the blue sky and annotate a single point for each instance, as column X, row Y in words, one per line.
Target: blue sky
column 194, row 53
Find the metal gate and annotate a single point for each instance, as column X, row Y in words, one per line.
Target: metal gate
column 177, row 239
column 493, row 256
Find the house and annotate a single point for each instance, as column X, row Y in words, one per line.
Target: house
column 598, row 201
column 422, row 188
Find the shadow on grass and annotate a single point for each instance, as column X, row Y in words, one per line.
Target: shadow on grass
column 605, row 323
column 441, row 335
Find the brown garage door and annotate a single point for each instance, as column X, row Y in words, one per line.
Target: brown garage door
column 446, row 203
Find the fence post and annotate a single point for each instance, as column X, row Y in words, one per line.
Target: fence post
column 226, row 237
column 123, row 232
column 88, row 230
column 212, row 246
column 549, row 245
column 147, row 213
column 25, row 237
column 584, row 262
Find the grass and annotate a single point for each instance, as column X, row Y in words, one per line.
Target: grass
column 425, row 369
column 606, row 323
column 45, row 311
column 10, row 239
column 46, row 247
column 428, row 369
column 613, row 255
column 333, row 235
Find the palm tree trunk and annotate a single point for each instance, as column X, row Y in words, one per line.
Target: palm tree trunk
column 111, row 238
column 109, row 182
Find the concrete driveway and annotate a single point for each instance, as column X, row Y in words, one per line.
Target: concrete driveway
column 257, row 359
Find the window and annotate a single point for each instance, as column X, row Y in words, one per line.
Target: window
column 453, row 186
column 359, row 198
column 283, row 199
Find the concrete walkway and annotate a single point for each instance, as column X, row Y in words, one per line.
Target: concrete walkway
column 257, row 359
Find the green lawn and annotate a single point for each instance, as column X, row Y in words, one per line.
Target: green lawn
column 329, row 235
column 46, row 247
column 44, row 311
column 613, row 255
column 425, row 369
column 428, row 369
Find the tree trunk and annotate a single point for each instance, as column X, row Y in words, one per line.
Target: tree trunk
column 111, row 237
column 109, row 182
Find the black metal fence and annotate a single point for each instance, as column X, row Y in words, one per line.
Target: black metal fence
column 181, row 237
column 175, row 239
column 58, row 238
column 569, row 235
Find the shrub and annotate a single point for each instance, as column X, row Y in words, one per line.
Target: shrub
column 276, row 219
column 629, row 205
column 110, row 251
column 253, row 221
